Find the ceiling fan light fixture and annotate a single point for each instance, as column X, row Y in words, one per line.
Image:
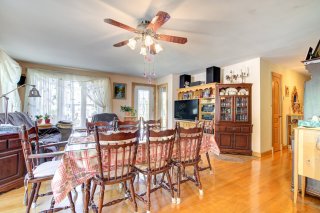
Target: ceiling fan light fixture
column 148, row 40
column 158, row 48
column 132, row 43
column 143, row 50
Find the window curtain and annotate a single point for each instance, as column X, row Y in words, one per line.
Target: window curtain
column 67, row 97
column 99, row 91
column 10, row 73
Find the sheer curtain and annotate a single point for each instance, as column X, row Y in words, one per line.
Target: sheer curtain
column 68, row 97
column 99, row 92
column 10, row 73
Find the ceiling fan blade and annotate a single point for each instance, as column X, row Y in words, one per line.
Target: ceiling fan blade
column 122, row 43
column 158, row 21
column 169, row 38
column 118, row 24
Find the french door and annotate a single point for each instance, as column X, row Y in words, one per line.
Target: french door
column 144, row 100
column 162, row 104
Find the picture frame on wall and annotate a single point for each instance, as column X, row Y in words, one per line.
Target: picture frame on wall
column 119, row 90
column 287, row 91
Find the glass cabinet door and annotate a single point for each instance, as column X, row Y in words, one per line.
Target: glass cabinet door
column 225, row 108
column 242, row 109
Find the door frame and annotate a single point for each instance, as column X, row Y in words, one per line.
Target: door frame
column 280, row 113
column 157, row 101
column 134, row 84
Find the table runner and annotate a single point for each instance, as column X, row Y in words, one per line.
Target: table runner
column 79, row 163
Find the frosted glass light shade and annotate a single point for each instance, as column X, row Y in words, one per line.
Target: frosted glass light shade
column 158, row 48
column 143, row 50
column 132, row 43
column 148, row 40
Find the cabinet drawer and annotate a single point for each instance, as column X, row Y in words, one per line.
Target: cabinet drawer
column 309, row 154
column 220, row 129
column 14, row 143
column 246, row 129
column 233, row 129
column 3, row 145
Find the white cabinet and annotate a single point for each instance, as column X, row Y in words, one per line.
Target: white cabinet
column 306, row 157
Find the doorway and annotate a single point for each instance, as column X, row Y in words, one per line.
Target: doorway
column 144, row 100
column 276, row 112
column 162, row 104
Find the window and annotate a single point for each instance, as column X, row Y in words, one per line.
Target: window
column 67, row 97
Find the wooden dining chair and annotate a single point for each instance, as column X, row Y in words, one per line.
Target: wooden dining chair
column 116, row 158
column 38, row 173
column 159, row 146
column 103, row 126
column 152, row 123
column 39, row 148
column 205, row 125
column 187, row 154
column 127, row 125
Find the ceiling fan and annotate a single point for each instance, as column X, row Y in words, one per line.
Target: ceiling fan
column 147, row 33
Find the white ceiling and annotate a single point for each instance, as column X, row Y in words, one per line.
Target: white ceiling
column 72, row 32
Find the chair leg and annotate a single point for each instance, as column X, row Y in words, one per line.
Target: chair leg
column 178, row 184
column 101, row 199
column 94, row 187
column 133, row 196
column 71, row 202
column 36, row 195
column 171, row 187
column 209, row 163
column 148, row 192
column 198, row 180
column 30, row 200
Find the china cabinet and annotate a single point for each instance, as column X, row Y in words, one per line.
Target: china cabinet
column 233, row 126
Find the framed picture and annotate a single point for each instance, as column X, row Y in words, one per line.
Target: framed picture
column 287, row 91
column 119, row 91
column 316, row 53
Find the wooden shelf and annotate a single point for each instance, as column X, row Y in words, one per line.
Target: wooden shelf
column 195, row 88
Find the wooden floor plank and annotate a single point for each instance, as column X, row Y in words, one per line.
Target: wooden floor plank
column 257, row 185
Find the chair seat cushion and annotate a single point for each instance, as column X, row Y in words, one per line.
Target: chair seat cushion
column 46, row 169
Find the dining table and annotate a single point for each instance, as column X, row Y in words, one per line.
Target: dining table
column 79, row 163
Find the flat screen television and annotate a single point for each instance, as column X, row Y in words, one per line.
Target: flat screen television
column 186, row 109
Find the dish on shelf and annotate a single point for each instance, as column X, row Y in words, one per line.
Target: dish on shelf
column 243, row 92
column 231, row 91
column 222, row 92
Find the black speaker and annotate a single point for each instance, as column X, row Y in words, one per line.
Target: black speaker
column 213, row 75
column 22, row 80
column 184, row 79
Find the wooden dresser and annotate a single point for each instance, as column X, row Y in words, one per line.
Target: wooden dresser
column 12, row 169
column 306, row 157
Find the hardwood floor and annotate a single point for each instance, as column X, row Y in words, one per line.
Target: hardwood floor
column 257, row 185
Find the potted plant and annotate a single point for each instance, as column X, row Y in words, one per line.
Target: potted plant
column 46, row 118
column 39, row 118
column 126, row 109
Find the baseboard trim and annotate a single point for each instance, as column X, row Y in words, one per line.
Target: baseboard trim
column 259, row 154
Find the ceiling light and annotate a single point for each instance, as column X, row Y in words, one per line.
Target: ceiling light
column 143, row 50
column 132, row 43
column 158, row 48
column 148, row 40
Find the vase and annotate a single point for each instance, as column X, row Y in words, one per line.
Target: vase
column 39, row 121
column 47, row 121
column 128, row 113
